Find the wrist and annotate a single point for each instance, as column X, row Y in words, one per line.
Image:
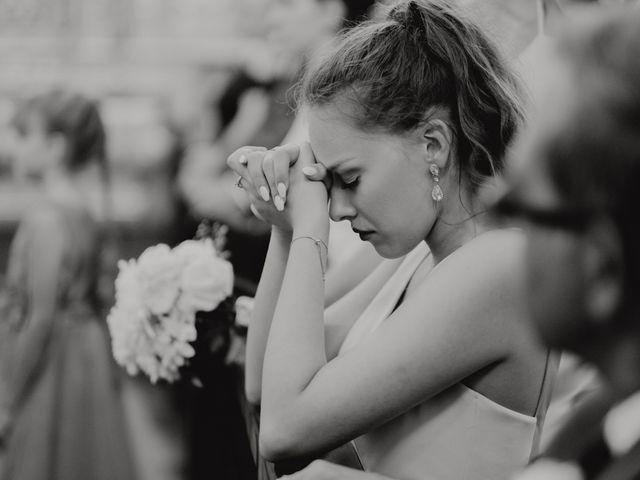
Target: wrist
column 318, row 232
column 280, row 234
column 321, row 247
column 313, row 226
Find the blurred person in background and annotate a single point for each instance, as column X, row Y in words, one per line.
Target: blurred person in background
column 65, row 418
column 254, row 109
column 576, row 192
column 248, row 110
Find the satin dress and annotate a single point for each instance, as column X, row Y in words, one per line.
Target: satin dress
column 457, row 435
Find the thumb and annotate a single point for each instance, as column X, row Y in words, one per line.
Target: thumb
column 315, row 172
column 306, row 157
column 310, row 168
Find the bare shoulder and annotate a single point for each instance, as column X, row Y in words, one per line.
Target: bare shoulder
column 496, row 252
column 459, row 317
column 478, row 288
column 493, row 258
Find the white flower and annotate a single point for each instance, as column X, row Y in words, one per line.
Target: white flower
column 180, row 325
column 128, row 292
column 158, row 346
column 205, row 283
column 152, row 323
column 244, row 311
column 191, row 251
column 127, row 336
column 159, row 276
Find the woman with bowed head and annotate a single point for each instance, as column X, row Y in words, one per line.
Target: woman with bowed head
column 432, row 371
column 63, row 402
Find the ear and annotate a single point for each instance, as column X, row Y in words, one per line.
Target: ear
column 603, row 266
column 437, row 137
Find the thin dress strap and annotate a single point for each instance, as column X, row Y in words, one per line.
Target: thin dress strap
column 544, row 398
column 386, row 300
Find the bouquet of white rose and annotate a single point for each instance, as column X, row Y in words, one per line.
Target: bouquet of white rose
column 153, row 322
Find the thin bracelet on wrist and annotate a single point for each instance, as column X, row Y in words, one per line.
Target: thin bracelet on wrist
column 319, row 244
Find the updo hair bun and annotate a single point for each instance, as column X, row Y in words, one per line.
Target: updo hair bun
column 408, row 15
column 424, row 55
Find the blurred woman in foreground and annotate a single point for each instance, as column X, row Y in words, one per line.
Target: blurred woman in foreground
column 577, row 193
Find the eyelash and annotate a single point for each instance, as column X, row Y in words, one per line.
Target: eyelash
column 351, row 184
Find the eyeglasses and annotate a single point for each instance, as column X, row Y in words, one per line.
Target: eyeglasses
column 575, row 218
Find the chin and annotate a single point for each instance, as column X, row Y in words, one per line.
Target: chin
column 386, row 250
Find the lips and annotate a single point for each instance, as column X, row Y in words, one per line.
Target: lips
column 363, row 234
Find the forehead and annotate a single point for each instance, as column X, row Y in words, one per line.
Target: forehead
column 334, row 136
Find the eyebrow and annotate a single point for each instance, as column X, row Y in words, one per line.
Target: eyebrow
column 341, row 162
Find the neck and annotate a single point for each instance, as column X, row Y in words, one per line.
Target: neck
column 455, row 228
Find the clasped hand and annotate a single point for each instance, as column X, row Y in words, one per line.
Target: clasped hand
column 286, row 186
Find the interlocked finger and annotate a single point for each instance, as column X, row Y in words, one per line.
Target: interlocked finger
column 256, row 176
column 237, row 161
column 281, row 163
column 267, row 171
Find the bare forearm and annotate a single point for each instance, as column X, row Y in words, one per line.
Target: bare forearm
column 296, row 346
column 264, row 308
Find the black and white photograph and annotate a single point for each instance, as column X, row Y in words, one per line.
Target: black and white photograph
column 319, row 239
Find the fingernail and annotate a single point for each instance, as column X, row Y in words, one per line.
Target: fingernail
column 242, row 160
column 264, row 193
column 268, row 155
column 309, row 170
column 253, row 209
column 279, row 203
column 282, row 190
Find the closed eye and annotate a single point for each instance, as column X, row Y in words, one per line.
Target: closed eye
column 349, row 183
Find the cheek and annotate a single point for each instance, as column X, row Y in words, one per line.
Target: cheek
column 406, row 224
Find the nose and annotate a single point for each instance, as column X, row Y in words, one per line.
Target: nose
column 340, row 206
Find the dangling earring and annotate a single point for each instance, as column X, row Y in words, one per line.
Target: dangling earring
column 436, row 193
